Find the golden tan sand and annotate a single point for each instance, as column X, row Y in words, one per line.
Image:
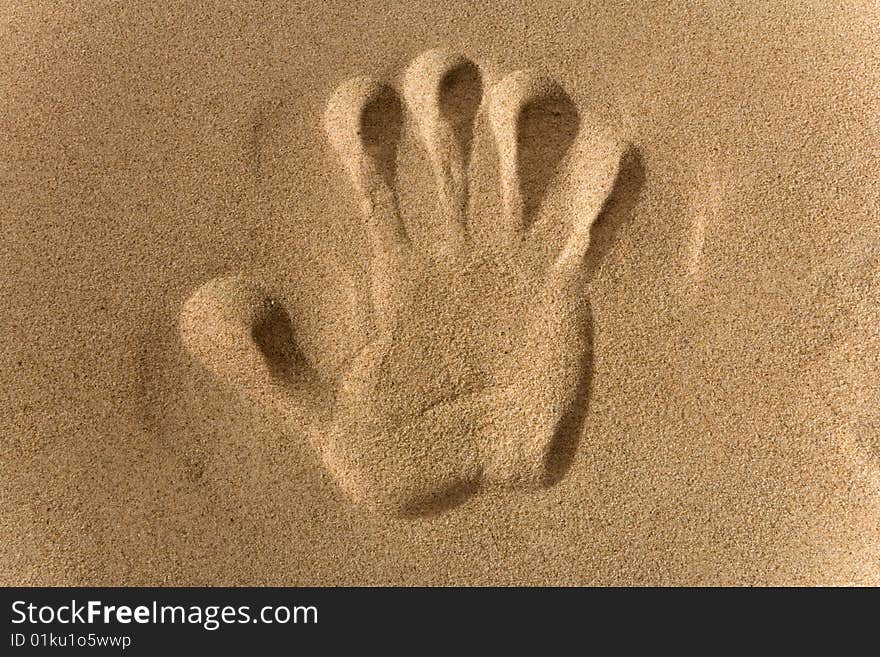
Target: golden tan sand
column 420, row 294
column 477, row 366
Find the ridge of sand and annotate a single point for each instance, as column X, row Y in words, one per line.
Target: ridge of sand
column 481, row 355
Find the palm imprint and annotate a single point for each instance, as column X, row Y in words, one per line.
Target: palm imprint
column 479, row 353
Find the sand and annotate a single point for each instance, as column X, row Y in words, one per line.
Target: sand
column 427, row 293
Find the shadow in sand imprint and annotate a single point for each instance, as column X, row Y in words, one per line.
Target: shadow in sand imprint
column 616, row 212
column 381, row 123
column 441, row 501
column 274, row 336
column 546, row 129
column 460, row 92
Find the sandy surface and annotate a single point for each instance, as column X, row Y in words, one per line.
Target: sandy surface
column 218, row 368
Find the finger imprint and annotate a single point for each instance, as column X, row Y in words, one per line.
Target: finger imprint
column 443, row 91
column 363, row 121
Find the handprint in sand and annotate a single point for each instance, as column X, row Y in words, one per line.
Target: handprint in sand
column 479, row 355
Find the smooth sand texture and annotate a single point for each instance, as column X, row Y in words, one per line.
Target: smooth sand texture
column 423, row 294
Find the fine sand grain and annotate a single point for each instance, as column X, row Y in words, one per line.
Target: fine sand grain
column 425, row 293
